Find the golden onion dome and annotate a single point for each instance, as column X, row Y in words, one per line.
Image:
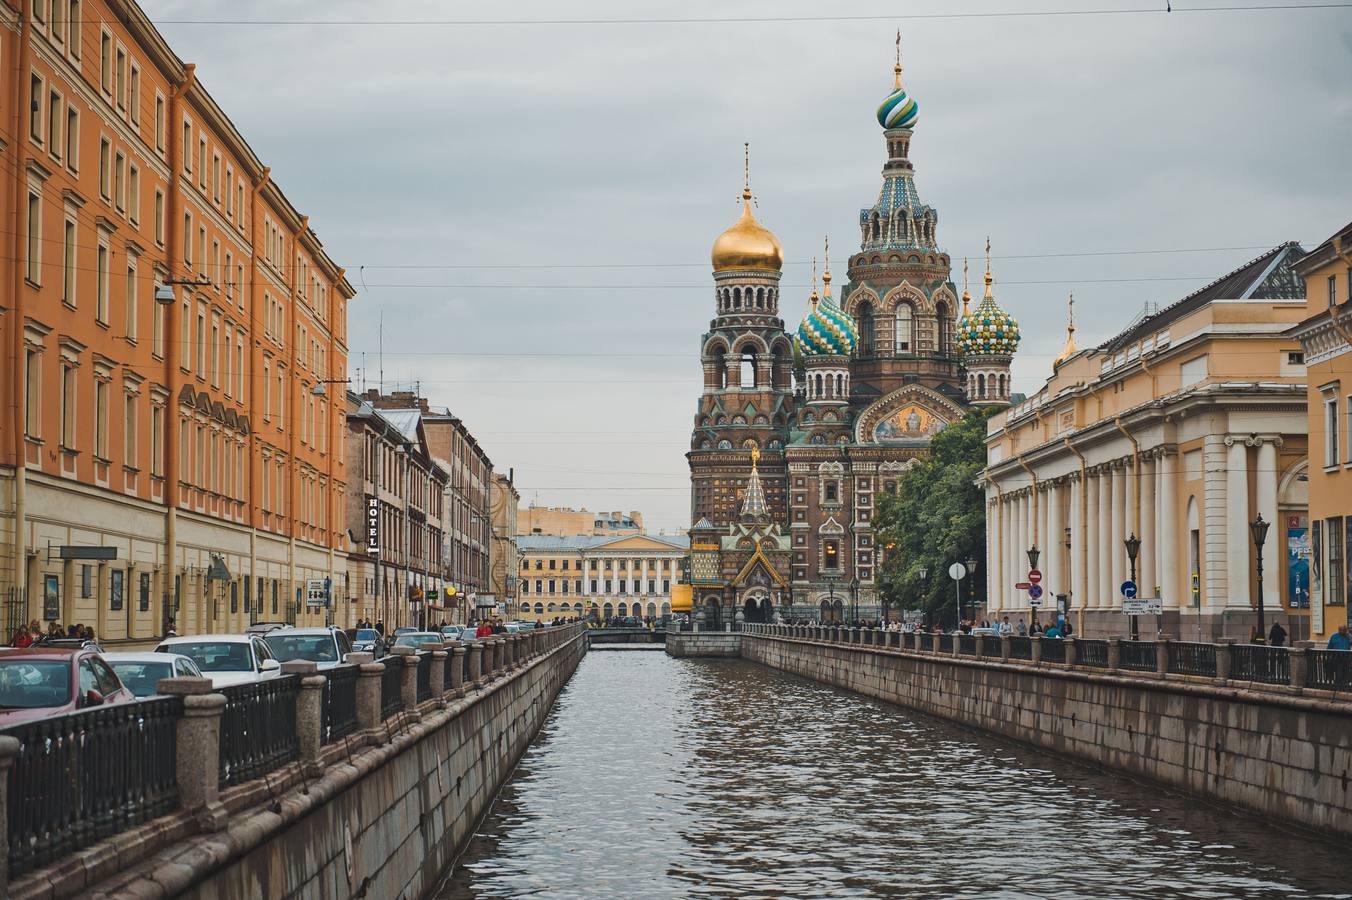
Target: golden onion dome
column 747, row 244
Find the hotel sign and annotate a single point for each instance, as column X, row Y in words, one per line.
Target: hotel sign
column 373, row 526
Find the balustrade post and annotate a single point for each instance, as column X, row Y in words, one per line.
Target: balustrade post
column 1004, row 647
column 309, row 713
column 458, row 653
column 197, row 749
column 9, row 749
column 1162, row 657
column 1298, row 661
column 957, row 645
column 1036, row 655
column 408, row 680
column 1071, row 654
column 1225, row 658
column 476, row 662
column 437, row 675
column 1114, row 654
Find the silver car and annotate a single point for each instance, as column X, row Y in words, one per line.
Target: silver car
column 141, row 672
column 325, row 647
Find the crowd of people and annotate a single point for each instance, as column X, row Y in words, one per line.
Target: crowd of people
column 33, row 633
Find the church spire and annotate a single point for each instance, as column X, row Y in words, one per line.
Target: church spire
column 966, row 292
column 1069, row 350
column 753, row 501
column 988, row 295
column 896, row 82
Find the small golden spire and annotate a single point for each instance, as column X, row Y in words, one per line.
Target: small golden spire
column 755, row 457
column 966, row 294
column 896, row 82
column 826, row 273
column 988, row 267
column 746, row 172
column 813, row 296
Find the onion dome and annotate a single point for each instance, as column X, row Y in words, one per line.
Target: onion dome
column 899, row 110
column 988, row 330
column 747, row 244
column 826, row 330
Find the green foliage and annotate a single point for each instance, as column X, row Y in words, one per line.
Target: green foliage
column 936, row 518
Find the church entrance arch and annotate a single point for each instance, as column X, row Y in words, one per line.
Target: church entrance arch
column 833, row 611
column 756, row 606
column 713, row 617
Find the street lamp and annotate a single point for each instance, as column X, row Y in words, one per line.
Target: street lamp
column 1133, row 549
column 924, row 581
column 1259, row 529
column 318, row 389
column 971, row 585
column 854, row 602
column 1034, row 554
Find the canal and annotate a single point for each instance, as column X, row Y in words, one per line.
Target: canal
column 660, row 777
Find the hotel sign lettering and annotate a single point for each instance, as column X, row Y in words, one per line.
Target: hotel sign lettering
column 372, row 526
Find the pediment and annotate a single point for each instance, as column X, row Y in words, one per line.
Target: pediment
column 637, row 543
column 909, row 415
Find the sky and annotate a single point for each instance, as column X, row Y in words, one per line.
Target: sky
column 528, row 208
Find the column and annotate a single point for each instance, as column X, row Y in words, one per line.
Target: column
column 1107, row 591
column 1121, row 516
column 1236, row 523
column 1006, row 551
column 1149, row 564
column 1090, row 489
column 994, row 600
column 1055, row 581
column 1175, row 584
column 1265, row 478
column 1075, row 580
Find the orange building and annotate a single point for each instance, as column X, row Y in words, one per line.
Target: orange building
column 170, row 323
column 1326, row 336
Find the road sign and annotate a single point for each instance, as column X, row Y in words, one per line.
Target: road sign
column 1022, row 586
column 1142, row 606
column 913, row 615
column 1034, row 591
column 1034, row 602
column 957, row 571
column 1034, row 575
column 1128, row 589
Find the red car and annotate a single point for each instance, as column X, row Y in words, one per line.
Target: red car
column 37, row 682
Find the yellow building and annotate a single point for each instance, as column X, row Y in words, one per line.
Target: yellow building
column 561, row 521
column 598, row 576
column 1180, row 430
column 1326, row 335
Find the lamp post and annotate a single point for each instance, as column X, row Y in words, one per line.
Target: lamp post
column 886, row 600
column 971, row 585
column 854, row 601
column 1034, row 554
column 924, row 581
column 1133, row 549
column 1259, row 529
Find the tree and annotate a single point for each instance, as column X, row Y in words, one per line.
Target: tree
column 936, row 518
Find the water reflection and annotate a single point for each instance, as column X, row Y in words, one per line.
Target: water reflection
column 657, row 777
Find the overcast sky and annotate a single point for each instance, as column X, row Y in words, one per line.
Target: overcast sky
column 531, row 207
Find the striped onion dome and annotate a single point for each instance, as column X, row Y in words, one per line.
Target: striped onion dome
column 899, row 110
column 826, row 330
column 988, row 330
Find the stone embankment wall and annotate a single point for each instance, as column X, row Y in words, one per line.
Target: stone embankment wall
column 1282, row 755
column 388, row 821
column 704, row 643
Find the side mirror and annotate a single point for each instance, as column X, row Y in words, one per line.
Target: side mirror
column 93, row 698
column 270, row 665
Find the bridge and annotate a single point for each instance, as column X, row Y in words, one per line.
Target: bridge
column 627, row 638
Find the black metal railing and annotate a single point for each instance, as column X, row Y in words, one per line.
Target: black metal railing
column 81, row 777
column 945, row 643
column 990, row 645
column 1190, row 658
column 258, row 728
column 926, row 640
column 424, row 679
column 967, row 644
column 1053, row 650
column 340, row 702
column 1258, row 662
column 1329, row 670
column 908, row 640
column 391, row 687
column 1138, row 656
column 1091, row 653
column 1020, row 647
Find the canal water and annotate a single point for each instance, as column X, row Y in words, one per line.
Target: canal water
column 657, row 777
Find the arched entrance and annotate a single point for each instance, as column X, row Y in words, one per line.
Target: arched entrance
column 713, row 616
column 756, row 606
column 832, row 611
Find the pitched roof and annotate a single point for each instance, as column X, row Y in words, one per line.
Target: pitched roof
column 1268, row 277
column 546, row 543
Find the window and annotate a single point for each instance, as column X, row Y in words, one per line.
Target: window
column 35, row 109
column 832, row 493
column 105, row 169
column 32, row 393
column 120, row 78
column 68, row 407
column 202, row 162
column 74, row 23
column 1333, row 291
column 1330, row 431
column 54, row 124
column 34, row 239
column 1333, row 573
column 120, row 182
column 187, row 238
column 159, row 217
column 157, row 441
column 187, row 146
column 134, row 90
column 904, row 325
column 131, row 302
column 159, row 122
column 101, row 288
column 201, row 343
column 106, row 63
column 100, row 418
column 159, row 312
column 134, row 195
column 129, row 441
column 72, row 138
column 216, row 177
column 1192, row 371
column 830, row 554
column 68, row 263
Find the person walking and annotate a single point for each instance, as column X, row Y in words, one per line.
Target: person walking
column 1277, row 636
column 1022, row 630
column 1340, row 639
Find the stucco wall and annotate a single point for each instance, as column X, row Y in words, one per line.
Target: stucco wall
column 1279, row 755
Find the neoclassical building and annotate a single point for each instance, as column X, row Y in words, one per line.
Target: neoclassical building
column 1180, row 430
column 794, row 436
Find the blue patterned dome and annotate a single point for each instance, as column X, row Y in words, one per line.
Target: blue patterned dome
column 899, row 110
column 988, row 330
column 826, row 330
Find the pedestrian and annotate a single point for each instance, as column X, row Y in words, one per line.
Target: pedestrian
column 1277, row 636
column 21, row 637
column 1256, row 636
column 1022, row 630
column 54, row 630
column 1066, row 628
column 1005, row 627
column 1340, row 639
column 1035, row 630
column 380, row 628
column 1053, row 631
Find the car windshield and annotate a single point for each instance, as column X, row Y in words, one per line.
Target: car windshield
column 367, row 634
column 34, row 683
column 416, row 639
column 313, row 647
column 215, row 656
column 141, row 677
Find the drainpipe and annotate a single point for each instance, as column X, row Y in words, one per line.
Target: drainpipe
column 1135, row 473
column 1084, row 512
column 20, row 386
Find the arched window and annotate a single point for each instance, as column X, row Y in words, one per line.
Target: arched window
column 981, row 386
column 905, row 327
column 760, row 298
column 736, row 298
column 747, row 377
column 945, row 328
column 840, row 386
column 865, row 318
column 1002, row 386
column 818, row 392
column 720, row 366
column 876, row 229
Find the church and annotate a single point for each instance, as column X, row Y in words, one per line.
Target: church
column 796, row 433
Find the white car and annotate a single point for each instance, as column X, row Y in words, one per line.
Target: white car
column 141, row 672
column 325, row 647
column 226, row 658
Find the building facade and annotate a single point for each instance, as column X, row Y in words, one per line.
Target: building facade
column 563, row 521
column 396, row 569
column 1180, row 431
column 1326, row 337
column 171, row 323
column 838, row 411
column 598, row 576
column 504, row 560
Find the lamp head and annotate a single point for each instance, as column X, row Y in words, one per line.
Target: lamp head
column 1259, row 528
column 164, row 294
column 1133, row 546
column 1034, row 554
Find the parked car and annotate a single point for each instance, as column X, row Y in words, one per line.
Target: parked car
column 39, row 682
column 417, row 639
column 368, row 640
column 140, row 673
column 226, row 658
column 459, row 633
column 265, row 627
column 326, row 647
column 68, row 643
